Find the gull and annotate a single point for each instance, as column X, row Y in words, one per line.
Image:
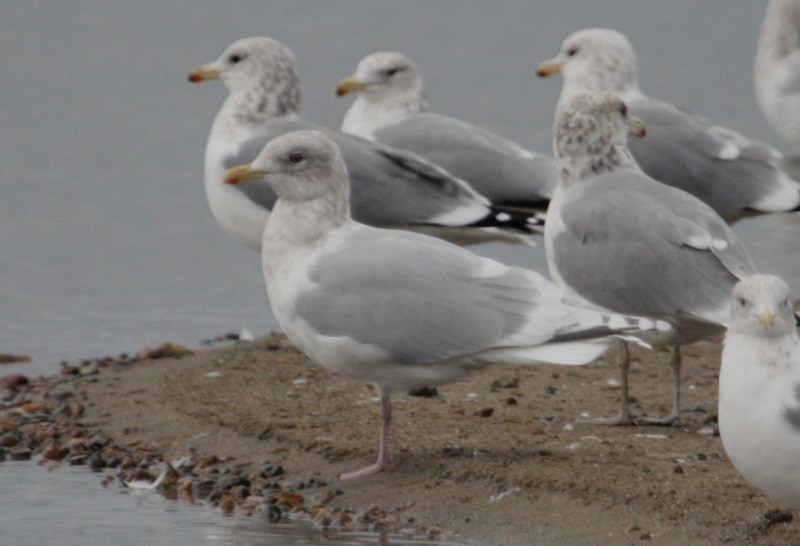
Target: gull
column 389, row 187
column 618, row 240
column 777, row 69
column 392, row 108
column 759, row 388
column 736, row 176
column 397, row 309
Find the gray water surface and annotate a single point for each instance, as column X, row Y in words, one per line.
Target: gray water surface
column 106, row 241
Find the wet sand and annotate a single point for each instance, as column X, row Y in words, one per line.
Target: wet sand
column 500, row 458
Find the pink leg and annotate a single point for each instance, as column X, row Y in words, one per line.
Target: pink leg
column 384, row 457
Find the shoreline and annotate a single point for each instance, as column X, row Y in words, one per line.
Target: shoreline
column 497, row 459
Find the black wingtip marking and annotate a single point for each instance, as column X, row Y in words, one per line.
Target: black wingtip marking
column 525, row 222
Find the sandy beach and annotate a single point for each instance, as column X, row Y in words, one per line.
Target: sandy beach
column 501, row 458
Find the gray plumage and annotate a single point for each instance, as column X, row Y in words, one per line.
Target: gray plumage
column 389, row 187
column 618, row 240
column 723, row 168
column 392, row 108
column 396, row 309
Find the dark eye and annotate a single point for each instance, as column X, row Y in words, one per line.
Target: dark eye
column 296, row 157
column 741, row 301
column 392, row 71
column 572, row 51
column 234, row 58
column 623, row 109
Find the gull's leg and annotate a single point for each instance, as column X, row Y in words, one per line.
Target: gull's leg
column 674, row 418
column 384, row 456
column 624, row 417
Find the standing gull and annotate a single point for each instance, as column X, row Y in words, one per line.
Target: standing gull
column 731, row 173
column 392, row 108
column 396, row 309
column 618, row 240
column 777, row 69
column 389, row 187
column 759, row 388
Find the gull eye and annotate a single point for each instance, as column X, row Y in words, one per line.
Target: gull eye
column 234, row 58
column 572, row 51
column 742, row 302
column 623, row 109
column 296, row 157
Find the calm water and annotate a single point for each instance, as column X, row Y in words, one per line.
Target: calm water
column 84, row 513
column 106, row 241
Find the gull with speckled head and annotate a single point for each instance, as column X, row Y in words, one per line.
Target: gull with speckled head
column 392, row 108
column 759, row 388
column 389, row 187
column 398, row 309
column 734, row 175
column 777, row 69
column 618, row 240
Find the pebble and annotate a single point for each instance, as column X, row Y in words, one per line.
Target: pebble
column 6, row 358
column 35, row 421
column 22, row 455
column 9, row 439
column 13, row 382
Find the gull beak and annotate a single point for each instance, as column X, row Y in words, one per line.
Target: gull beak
column 636, row 127
column 202, row 73
column 766, row 317
column 349, row 85
column 548, row 68
column 242, row 173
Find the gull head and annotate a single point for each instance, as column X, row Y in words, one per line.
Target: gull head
column 300, row 166
column 590, row 135
column 257, row 64
column 595, row 59
column 384, row 74
column 761, row 306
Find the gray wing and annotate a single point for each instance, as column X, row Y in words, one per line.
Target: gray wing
column 721, row 167
column 260, row 194
column 393, row 188
column 635, row 246
column 498, row 168
column 423, row 300
column 791, row 411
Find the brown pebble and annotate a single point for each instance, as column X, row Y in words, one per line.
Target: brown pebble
column 323, row 516
column 32, row 407
column 167, row 350
column 344, row 518
column 9, row 439
column 7, row 424
column 285, row 499
column 6, row 358
column 23, row 455
column 485, row 412
column 228, row 504
column 55, row 452
column 13, row 382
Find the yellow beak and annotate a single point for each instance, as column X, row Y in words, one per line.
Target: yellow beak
column 636, row 127
column 349, row 85
column 201, row 74
column 548, row 68
column 766, row 317
column 242, row 173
